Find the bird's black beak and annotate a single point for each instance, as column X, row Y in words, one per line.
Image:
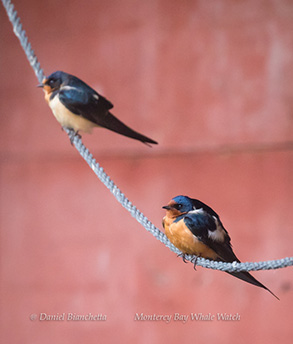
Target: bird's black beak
column 43, row 83
column 167, row 207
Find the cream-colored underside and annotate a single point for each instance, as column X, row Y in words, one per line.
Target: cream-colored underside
column 69, row 120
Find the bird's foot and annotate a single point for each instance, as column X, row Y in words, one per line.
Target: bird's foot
column 194, row 261
column 72, row 134
column 183, row 256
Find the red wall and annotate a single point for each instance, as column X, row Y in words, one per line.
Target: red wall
column 212, row 81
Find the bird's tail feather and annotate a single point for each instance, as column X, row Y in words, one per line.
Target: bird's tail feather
column 112, row 123
column 247, row 277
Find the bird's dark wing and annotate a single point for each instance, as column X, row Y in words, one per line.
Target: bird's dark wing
column 200, row 224
column 88, row 104
column 200, row 205
column 84, row 102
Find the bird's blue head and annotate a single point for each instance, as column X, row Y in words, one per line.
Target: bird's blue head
column 55, row 80
column 179, row 205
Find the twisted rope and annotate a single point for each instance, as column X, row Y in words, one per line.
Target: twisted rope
column 104, row 178
column 21, row 35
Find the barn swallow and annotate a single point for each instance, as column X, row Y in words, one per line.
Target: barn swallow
column 196, row 229
column 78, row 107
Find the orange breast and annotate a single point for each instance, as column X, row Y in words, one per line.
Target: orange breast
column 181, row 237
column 48, row 92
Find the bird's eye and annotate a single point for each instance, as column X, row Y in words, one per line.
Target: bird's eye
column 51, row 82
column 178, row 206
